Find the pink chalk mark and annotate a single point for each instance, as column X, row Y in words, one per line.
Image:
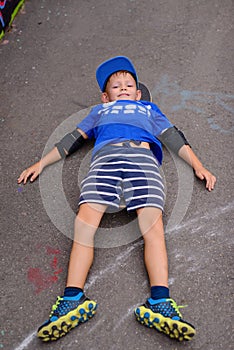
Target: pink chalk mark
column 40, row 280
column 54, row 263
column 52, row 251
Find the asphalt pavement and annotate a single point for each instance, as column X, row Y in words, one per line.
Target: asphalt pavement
column 183, row 50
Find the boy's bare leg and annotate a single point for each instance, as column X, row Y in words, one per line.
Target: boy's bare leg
column 151, row 226
column 73, row 309
column 159, row 312
column 82, row 253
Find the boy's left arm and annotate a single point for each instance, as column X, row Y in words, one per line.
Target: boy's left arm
column 187, row 154
column 175, row 141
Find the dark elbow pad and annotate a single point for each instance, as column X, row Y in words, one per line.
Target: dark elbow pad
column 70, row 143
column 173, row 139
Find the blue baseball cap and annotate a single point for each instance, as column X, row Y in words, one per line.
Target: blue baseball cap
column 111, row 66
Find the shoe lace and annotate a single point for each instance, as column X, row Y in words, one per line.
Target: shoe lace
column 55, row 306
column 177, row 307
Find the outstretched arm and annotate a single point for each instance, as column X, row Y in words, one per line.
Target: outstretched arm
column 34, row 170
column 201, row 172
column 68, row 145
column 175, row 140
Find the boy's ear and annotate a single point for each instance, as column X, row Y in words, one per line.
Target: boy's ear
column 138, row 95
column 105, row 97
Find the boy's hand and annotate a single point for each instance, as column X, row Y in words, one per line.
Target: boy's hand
column 33, row 170
column 203, row 174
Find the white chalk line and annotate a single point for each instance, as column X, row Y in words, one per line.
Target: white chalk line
column 26, row 341
column 122, row 257
column 128, row 313
column 212, row 214
column 112, row 267
column 91, row 329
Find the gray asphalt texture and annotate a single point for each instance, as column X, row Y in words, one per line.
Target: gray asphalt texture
column 183, row 50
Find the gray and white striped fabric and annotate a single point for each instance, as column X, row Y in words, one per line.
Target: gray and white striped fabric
column 129, row 173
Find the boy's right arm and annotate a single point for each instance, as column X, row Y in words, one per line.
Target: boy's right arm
column 69, row 144
column 34, row 170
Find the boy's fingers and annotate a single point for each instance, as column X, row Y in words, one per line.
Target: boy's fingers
column 34, row 177
column 210, row 183
column 24, row 176
column 31, row 172
column 209, row 178
column 209, row 186
column 213, row 181
column 200, row 175
column 21, row 177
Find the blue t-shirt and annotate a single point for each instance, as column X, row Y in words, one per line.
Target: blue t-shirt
column 123, row 120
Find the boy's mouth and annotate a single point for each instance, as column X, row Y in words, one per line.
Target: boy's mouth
column 123, row 94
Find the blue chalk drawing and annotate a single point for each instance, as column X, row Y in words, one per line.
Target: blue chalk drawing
column 187, row 101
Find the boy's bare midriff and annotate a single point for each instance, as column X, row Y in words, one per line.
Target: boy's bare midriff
column 131, row 143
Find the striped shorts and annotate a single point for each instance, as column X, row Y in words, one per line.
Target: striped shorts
column 119, row 174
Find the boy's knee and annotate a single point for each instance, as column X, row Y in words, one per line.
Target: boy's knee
column 150, row 219
column 84, row 232
column 91, row 213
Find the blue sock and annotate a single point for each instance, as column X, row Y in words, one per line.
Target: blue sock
column 72, row 291
column 159, row 292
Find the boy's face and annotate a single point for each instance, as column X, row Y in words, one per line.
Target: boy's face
column 121, row 86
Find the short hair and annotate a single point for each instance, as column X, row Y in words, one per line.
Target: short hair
column 120, row 72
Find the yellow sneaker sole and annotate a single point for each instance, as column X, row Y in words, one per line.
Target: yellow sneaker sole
column 174, row 329
column 59, row 328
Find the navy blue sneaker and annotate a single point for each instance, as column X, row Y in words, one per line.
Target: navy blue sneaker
column 67, row 313
column 164, row 315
